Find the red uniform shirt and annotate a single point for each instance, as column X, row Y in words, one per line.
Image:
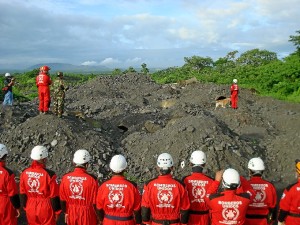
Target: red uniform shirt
column 78, row 189
column 119, row 199
column 234, row 89
column 8, row 189
column 290, row 205
column 263, row 203
column 228, row 207
column 40, row 186
column 197, row 185
column 166, row 199
column 42, row 82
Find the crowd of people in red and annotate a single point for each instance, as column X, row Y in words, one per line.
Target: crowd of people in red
column 195, row 200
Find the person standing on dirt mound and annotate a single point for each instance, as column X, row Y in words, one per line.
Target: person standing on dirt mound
column 59, row 89
column 118, row 199
column 197, row 185
column 43, row 81
column 9, row 82
column 78, row 191
column 228, row 207
column 234, row 90
column 289, row 213
column 262, row 210
column 39, row 190
column 165, row 199
column 9, row 198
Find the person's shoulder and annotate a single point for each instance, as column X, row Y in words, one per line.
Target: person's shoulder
column 51, row 173
column 244, row 195
column 216, row 195
column 9, row 171
column 149, row 181
column 293, row 185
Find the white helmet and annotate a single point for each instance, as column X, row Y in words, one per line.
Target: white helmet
column 81, row 156
column 231, row 178
column 198, row 158
column 118, row 163
column 234, row 81
column 39, row 152
column 3, row 150
column 256, row 164
column 165, row 161
column 7, row 75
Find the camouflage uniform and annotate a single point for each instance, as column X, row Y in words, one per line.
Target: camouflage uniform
column 59, row 88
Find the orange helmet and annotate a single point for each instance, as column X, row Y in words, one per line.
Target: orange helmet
column 45, row 68
column 298, row 166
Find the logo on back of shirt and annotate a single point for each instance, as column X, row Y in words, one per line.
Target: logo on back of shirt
column 260, row 195
column 76, row 187
column 165, row 195
column 198, row 190
column 34, row 181
column 116, row 195
column 230, row 211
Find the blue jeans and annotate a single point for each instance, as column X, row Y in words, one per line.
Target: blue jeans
column 8, row 98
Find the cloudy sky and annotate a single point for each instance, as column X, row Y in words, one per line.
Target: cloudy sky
column 123, row 33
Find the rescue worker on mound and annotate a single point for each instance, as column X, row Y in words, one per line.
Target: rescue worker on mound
column 234, row 90
column 197, row 185
column 43, row 81
column 78, row 191
column 165, row 199
column 9, row 82
column 39, row 190
column 262, row 209
column 118, row 199
column 9, row 198
column 59, row 89
column 228, row 207
column 289, row 213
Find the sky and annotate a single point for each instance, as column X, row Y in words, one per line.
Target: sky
column 123, row 33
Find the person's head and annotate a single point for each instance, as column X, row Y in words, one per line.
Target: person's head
column 7, row 75
column 118, row 164
column 44, row 69
column 165, row 163
column 81, row 158
column 256, row 166
column 60, row 75
column 234, row 81
column 3, row 152
column 39, row 153
column 298, row 168
column 198, row 158
column 231, row 179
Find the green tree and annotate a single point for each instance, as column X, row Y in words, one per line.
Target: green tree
column 144, row 69
column 198, row 63
column 116, row 72
column 256, row 57
column 129, row 70
column 296, row 40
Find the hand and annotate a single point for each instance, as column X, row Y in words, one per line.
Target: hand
column 66, row 218
column 56, row 217
column 219, row 174
column 18, row 213
column 281, row 223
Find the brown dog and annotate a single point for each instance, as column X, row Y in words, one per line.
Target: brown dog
column 223, row 102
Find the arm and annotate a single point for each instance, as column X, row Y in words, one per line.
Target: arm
column 145, row 211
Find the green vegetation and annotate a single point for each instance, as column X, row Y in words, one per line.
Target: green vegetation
column 257, row 69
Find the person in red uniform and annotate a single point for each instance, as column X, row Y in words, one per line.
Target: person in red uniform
column 39, row 190
column 165, row 199
column 118, row 199
column 43, row 81
column 197, row 185
column 9, row 198
column 289, row 212
column 262, row 210
column 78, row 191
column 228, row 207
column 234, row 90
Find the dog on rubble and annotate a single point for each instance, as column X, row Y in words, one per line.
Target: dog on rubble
column 222, row 101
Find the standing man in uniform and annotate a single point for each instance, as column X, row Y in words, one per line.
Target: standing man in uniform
column 43, row 81
column 228, row 207
column 39, row 190
column 59, row 89
column 262, row 209
column 118, row 199
column 9, row 198
column 78, row 191
column 234, row 90
column 289, row 213
column 165, row 199
column 7, row 90
column 197, row 185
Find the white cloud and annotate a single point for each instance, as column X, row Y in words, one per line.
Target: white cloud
column 109, row 62
column 89, row 63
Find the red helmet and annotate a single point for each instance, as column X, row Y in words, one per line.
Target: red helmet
column 45, row 68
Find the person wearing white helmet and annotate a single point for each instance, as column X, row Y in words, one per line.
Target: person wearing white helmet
column 165, row 199
column 78, row 191
column 9, row 82
column 197, row 185
column 289, row 208
column 234, row 90
column 9, row 198
column 118, row 199
column 39, row 190
column 262, row 210
column 228, row 207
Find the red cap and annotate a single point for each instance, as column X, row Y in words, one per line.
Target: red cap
column 44, row 68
